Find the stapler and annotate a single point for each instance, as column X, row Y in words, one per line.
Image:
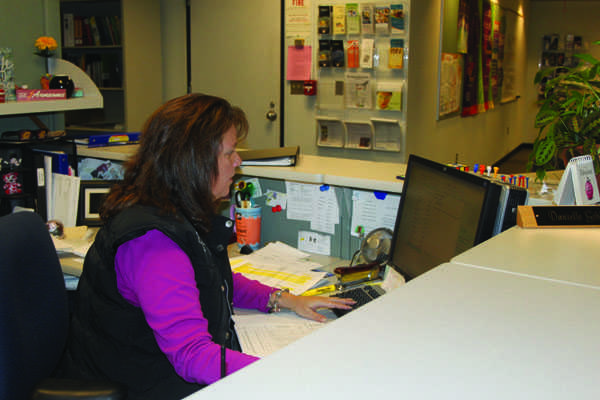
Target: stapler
column 360, row 272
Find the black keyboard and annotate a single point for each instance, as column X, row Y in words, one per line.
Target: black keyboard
column 362, row 295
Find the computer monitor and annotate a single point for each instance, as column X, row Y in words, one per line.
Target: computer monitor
column 442, row 212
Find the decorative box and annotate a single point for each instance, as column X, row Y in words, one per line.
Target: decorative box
column 41, row 94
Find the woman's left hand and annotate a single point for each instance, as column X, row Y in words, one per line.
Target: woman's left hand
column 307, row 306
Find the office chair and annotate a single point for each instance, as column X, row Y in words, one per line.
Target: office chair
column 34, row 317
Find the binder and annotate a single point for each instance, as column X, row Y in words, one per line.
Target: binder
column 279, row 156
column 40, row 193
column 111, row 139
column 60, row 160
column 578, row 183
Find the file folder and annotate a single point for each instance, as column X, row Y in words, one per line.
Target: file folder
column 278, row 156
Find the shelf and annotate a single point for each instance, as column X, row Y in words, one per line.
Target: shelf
column 99, row 47
column 92, row 97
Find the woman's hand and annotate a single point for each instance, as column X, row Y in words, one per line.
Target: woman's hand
column 307, row 306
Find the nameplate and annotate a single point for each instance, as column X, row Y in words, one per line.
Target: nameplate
column 558, row 216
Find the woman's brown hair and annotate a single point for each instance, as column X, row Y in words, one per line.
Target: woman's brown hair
column 176, row 162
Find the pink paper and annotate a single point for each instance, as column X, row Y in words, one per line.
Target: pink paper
column 299, row 63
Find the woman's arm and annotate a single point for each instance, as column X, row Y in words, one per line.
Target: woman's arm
column 153, row 273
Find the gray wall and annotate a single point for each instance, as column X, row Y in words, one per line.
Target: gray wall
column 484, row 138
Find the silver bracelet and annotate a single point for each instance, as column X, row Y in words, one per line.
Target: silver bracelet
column 273, row 304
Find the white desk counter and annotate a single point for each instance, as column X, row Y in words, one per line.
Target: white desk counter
column 564, row 254
column 456, row 332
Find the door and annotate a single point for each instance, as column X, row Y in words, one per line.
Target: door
column 235, row 54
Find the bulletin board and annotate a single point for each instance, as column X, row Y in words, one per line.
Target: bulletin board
column 358, row 67
column 321, row 219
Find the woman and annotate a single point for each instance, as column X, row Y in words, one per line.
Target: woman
column 156, row 294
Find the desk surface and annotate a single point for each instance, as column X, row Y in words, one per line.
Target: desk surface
column 455, row 332
column 563, row 254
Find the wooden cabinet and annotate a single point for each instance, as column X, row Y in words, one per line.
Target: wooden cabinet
column 118, row 44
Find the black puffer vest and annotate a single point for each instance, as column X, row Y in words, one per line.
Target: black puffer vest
column 110, row 338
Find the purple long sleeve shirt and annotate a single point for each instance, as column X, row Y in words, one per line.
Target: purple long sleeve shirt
column 153, row 273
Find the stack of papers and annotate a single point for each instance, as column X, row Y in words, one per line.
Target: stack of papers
column 282, row 266
column 279, row 265
column 263, row 334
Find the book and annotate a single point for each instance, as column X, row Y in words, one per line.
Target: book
column 278, row 156
column 87, row 38
column 95, row 31
column 578, row 183
column 116, row 28
column 68, row 30
column 78, row 30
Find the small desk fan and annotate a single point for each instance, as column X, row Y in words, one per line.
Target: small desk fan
column 375, row 247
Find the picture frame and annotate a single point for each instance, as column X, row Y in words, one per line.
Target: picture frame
column 91, row 195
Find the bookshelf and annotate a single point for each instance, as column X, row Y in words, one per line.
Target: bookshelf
column 117, row 43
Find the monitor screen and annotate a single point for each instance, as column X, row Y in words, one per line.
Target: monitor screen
column 442, row 212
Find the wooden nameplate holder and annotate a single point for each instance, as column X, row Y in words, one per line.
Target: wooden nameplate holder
column 558, row 216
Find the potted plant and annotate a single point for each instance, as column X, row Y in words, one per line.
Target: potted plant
column 569, row 115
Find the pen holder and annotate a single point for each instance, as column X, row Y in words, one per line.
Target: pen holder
column 247, row 226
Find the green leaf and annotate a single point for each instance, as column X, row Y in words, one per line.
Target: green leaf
column 545, row 151
column 587, row 58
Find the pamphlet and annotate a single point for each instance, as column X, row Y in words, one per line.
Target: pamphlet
column 388, row 95
column 352, row 19
column 339, row 19
column 358, row 90
column 397, row 18
column 396, row 57
column 382, row 20
column 367, row 18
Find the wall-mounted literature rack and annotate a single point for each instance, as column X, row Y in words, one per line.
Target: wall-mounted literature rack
column 359, row 135
column 330, row 132
column 389, row 134
column 361, row 61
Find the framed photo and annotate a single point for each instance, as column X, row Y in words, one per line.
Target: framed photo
column 91, row 196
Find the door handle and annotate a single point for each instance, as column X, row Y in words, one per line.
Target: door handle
column 271, row 114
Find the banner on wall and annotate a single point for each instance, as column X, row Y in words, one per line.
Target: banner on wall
column 472, row 59
column 484, row 72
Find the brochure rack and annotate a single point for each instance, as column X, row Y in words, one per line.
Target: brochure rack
column 361, row 59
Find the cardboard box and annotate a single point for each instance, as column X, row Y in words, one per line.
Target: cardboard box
column 41, row 94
